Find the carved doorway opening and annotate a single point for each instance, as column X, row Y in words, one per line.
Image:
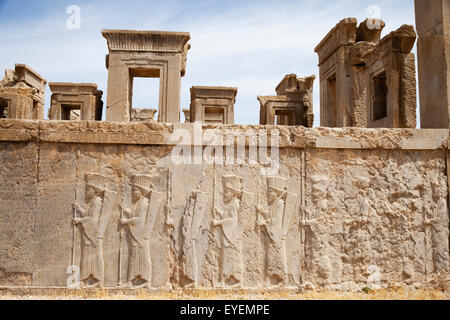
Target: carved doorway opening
column 4, row 108
column 331, row 101
column 144, row 95
column 380, row 89
column 71, row 112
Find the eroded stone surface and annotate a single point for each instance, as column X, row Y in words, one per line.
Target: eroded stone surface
column 347, row 207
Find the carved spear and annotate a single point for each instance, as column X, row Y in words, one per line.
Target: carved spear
column 120, row 247
column 74, row 213
column 169, row 220
column 121, row 235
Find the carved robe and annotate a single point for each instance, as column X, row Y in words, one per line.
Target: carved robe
column 192, row 225
column 276, row 252
column 189, row 260
column 92, row 263
column 143, row 218
column 231, row 254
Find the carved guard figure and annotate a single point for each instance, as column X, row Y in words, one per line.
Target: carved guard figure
column 231, row 262
column 93, row 224
column 141, row 219
column 276, row 221
column 192, row 224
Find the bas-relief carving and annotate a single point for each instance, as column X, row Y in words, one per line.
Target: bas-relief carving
column 193, row 221
column 93, row 221
column 139, row 222
column 247, row 243
column 230, row 240
column 276, row 220
column 196, row 225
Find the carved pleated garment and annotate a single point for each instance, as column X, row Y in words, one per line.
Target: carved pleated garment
column 139, row 260
column 231, row 253
column 275, row 254
column 189, row 259
column 92, row 263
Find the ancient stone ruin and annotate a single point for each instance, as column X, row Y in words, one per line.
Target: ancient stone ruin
column 356, row 70
column 139, row 202
column 147, row 54
column 293, row 104
column 75, row 101
column 212, row 104
column 22, row 94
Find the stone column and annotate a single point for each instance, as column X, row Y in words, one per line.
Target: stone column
column 118, row 99
column 433, row 49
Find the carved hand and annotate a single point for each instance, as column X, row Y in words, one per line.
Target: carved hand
column 306, row 212
column 169, row 220
column 125, row 210
column 76, row 206
column 261, row 221
column 76, row 220
column 218, row 212
column 124, row 221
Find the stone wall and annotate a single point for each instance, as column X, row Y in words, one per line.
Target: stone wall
column 361, row 205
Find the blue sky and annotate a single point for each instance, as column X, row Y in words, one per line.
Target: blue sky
column 246, row 44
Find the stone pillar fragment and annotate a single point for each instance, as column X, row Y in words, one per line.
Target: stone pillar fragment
column 187, row 115
column 433, row 50
column 143, row 115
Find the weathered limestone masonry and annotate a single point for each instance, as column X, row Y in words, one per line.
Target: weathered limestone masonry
column 75, row 101
column 293, row 104
column 433, row 51
column 365, row 81
column 22, row 94
column 148, row 54
column 347, row 206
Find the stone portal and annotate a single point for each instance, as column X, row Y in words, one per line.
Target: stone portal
column 148, row 54
column 75, row 101
column 213, row 104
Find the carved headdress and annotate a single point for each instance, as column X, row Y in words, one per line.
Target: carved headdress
column 144, row 182
column 278, row 184
column 233, row 182
column 95, row 180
